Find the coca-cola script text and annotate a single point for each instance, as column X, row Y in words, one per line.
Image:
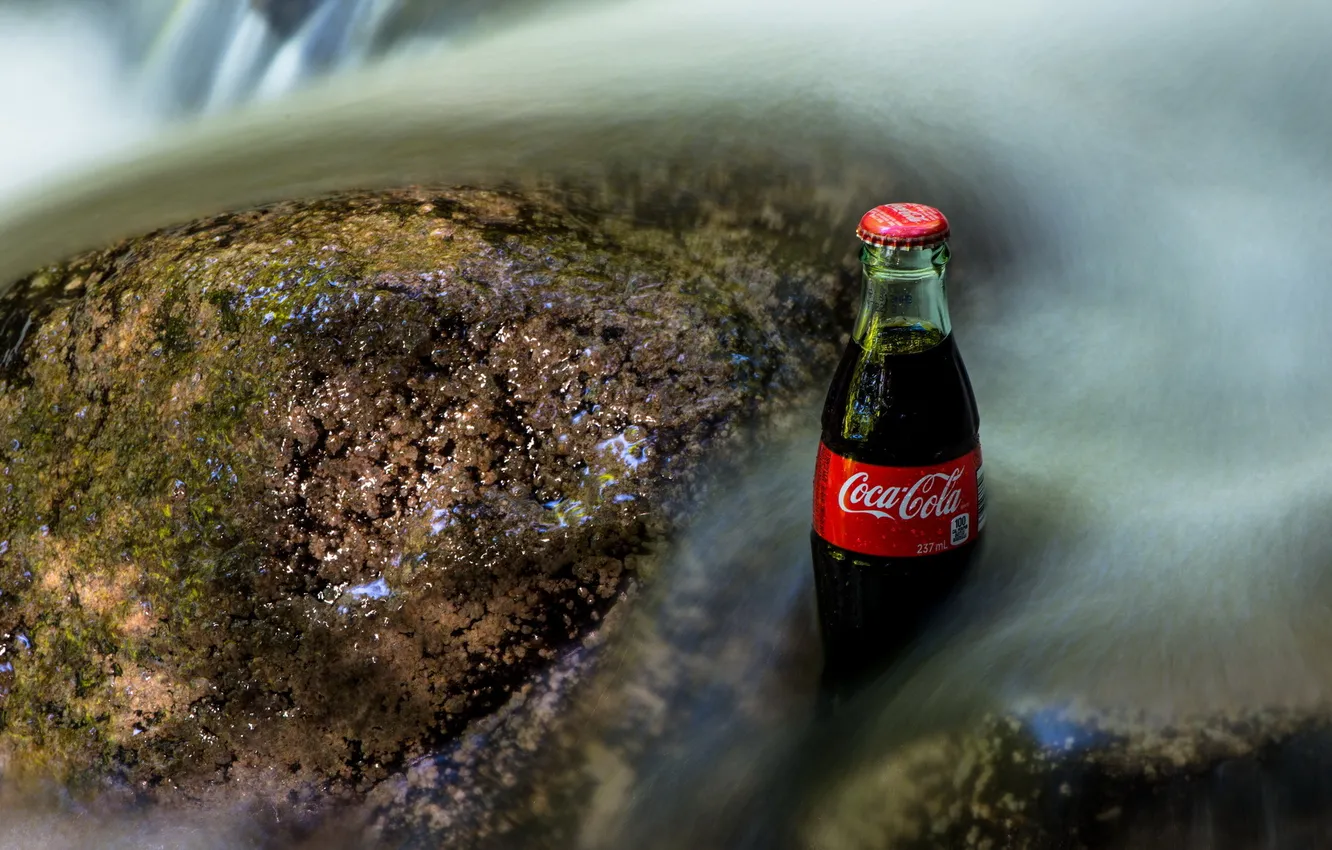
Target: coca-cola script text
column 892, row 511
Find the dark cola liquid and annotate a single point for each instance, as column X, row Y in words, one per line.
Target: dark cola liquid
column 906, row 403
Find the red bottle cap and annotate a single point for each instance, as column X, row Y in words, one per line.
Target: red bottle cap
column 903, row 226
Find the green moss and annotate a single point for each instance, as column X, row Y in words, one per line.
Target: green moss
column 115, row 510
column 212, row 434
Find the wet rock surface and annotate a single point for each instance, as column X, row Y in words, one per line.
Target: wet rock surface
column 1071, row 778
column 291, row 497
column 674, row 736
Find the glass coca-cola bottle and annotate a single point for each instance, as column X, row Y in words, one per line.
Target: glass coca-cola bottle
column 899, row 498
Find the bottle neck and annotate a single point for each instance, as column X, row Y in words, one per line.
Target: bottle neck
column 904, row 303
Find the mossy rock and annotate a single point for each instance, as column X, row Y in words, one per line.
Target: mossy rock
column 1073, row 778
column 290, row 496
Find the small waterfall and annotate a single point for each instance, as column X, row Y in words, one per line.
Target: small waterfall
column 205, row 56
column 210, row 55
column 81, row 80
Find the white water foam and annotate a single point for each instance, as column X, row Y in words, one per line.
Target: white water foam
column 65, row 98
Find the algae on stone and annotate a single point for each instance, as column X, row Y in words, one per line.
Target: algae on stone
column 1044, row 777
column 292, row 495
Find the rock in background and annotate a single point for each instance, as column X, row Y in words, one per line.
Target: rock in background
column 291, row 496
column 1047, row 777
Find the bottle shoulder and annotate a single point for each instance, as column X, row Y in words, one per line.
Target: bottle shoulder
column 912, row 409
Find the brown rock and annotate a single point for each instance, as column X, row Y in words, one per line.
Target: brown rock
column 291, row 496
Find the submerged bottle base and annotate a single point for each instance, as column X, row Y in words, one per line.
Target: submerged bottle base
column 872, row 609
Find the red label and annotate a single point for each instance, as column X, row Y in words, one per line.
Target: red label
column 898, row 511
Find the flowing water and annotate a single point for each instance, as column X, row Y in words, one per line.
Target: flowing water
column 1140, row 196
